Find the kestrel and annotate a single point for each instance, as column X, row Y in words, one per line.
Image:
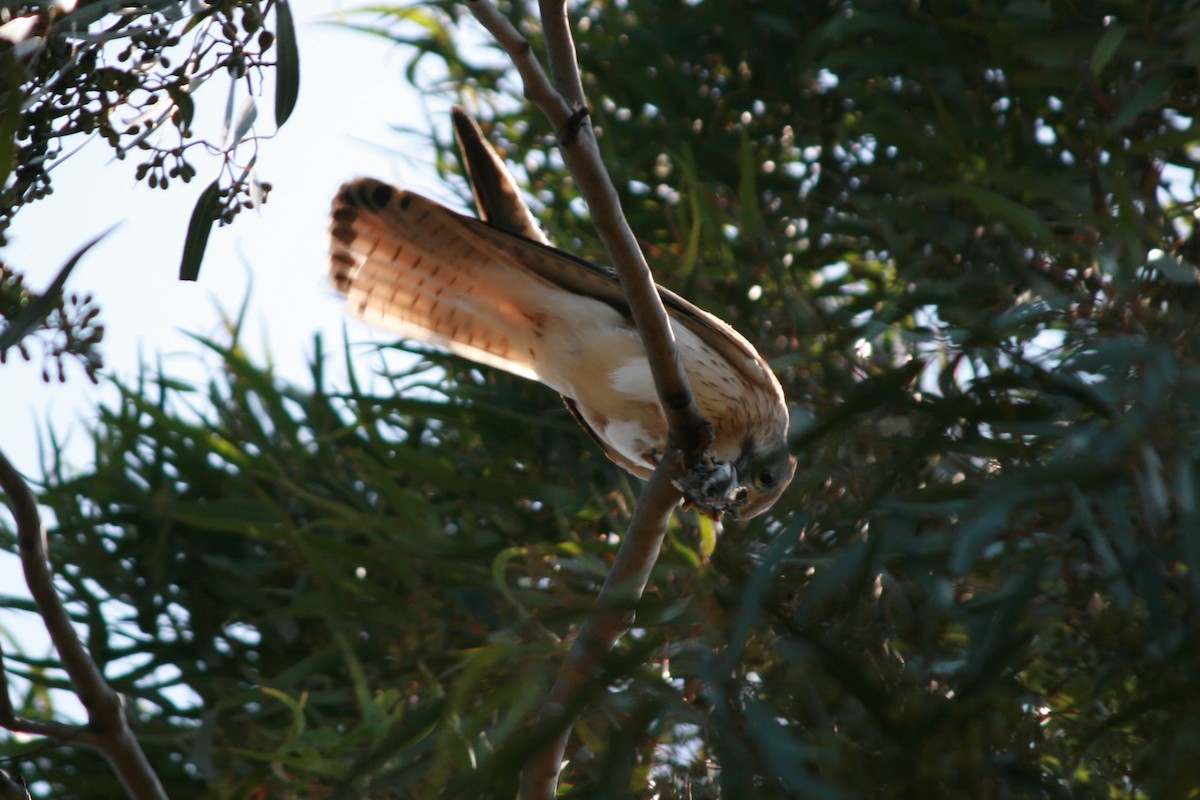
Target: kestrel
column 428, row 273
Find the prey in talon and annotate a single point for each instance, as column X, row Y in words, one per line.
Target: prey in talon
column 711, row 487
column 492, row 291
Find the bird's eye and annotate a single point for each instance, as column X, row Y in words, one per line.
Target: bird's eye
column 766, row 478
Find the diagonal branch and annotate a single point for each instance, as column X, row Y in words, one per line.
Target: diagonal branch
column 689, row 434
column 10, row 720
column 610, row 619
column 688, row 429
column 107, row 728
column 560, row 52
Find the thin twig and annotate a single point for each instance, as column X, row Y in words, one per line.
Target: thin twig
column 538, row 89
column 107, row 729
column 10, row 720
column 689, row 435
column 688, row 430
column 560, row 52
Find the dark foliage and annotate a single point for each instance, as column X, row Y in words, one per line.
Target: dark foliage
column 130, row 74
column 964, row 233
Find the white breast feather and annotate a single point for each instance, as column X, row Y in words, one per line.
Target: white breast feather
column 629, row 438
column 634, row 379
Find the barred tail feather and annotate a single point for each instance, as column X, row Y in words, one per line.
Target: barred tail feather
column 404, row 263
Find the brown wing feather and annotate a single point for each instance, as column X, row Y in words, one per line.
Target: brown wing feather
column 404, row 263
column 405, row 210
column 582, row 277
column 548, row 263
column 497, row 197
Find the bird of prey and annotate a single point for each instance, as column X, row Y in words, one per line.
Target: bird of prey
column 493, row 292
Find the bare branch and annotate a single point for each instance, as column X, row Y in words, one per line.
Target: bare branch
column 538, row 89
column 609, row 621
column 10, row 720
column 688, row 430
column 107, row 728
column 560, row 51
column 689, row 434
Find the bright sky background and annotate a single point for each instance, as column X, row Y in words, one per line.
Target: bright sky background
column 352, row 94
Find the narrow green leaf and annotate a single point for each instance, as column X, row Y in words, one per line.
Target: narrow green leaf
column 748, row 189
column 185, row 104
column 9, row 120
column 404, row 735
column 247, row 113
column 708, row 537
column 1106, row 48
column 691, row 186
column 1020, row 217
column 36, row 311
column 287, row 63
column 203, row 217
column 976, row 533
column 229, row 97
column 785, row 752
column 1145, row 97
column 1176, row 271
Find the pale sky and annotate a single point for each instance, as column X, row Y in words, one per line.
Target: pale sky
column 352, row 94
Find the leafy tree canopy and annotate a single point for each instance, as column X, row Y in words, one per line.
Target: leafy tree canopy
column 964, row 234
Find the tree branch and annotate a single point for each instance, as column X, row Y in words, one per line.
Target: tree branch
column 610, row 619
column 688, row 429
column 688, row 433
column 107, row 729
column 560, row 51
column 538, row 89
column 10, row 720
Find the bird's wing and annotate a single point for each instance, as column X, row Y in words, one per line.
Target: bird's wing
column 405, row 263
column 497, row 197
column 638, row 468
column 582, row 277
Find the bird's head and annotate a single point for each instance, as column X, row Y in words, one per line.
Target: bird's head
column 742, row 489
column 762, row 479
